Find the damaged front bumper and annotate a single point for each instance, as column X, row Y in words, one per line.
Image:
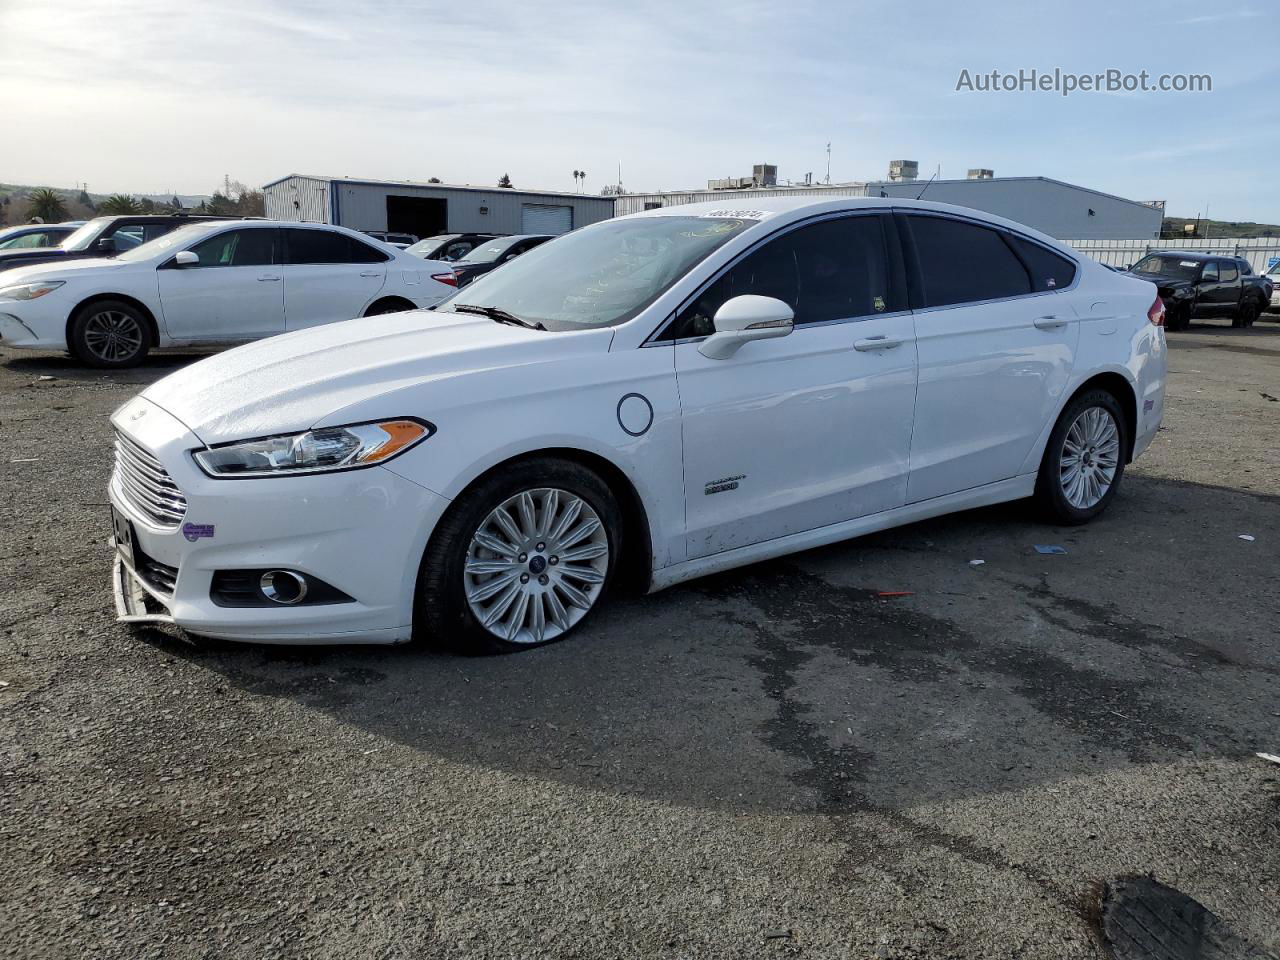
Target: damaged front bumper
column 136, row 602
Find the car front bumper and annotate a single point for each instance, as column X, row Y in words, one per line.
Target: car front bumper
column 360, row 531
column 34, row 330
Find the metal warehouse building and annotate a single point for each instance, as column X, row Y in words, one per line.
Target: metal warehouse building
column 1062, row 210
column 426, row 209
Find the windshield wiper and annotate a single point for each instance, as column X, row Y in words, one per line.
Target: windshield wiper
column 497, row 314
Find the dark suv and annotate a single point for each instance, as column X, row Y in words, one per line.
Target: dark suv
column 100, row 237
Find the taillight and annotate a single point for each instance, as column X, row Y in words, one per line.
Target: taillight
column 450, row 279
column 1156, row 313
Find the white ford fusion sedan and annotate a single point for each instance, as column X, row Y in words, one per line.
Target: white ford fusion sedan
column 663, row 395
column 208, row 283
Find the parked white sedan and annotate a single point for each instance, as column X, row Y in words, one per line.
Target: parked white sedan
column 208, row 283
column 668, row 394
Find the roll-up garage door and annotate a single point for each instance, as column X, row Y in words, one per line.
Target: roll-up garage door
column 545, row 218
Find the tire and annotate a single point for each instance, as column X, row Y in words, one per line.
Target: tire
column 388, row 306
column 110, row 334
column 544, row 599
column 1178, row 318
column 1247, row 314
column 1058, row 499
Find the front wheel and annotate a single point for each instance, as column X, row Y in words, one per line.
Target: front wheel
column 520, row 560
column 1179, row 317
column 1083, row 460
column 110, row 333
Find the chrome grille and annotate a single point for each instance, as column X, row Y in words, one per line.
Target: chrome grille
column 147, row 485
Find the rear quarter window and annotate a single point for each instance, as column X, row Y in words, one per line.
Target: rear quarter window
column 1049, row 270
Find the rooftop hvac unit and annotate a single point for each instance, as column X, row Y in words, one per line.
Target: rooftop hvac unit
column 903, row 170
column 765, row 175
column 981, row 173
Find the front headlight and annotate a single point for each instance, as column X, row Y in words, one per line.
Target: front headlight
column 314, row 451
column 30, row 291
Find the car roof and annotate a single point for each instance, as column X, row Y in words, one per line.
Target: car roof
column 1196, row 255
column 790, row 208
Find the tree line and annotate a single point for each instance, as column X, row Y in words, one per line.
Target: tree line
column 53, row 206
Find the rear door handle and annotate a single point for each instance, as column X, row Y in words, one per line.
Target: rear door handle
column 1050, row 323
column 370, row 273
column 877, row 343
column 268, row 278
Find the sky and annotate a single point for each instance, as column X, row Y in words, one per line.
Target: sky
column 157, row 96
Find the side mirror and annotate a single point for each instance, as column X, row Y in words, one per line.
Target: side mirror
column 185, row 258
column 743, row 319
column 105, row 244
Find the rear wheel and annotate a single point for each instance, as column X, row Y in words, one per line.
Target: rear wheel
column 521, row 560
column 1084, row 459
column 1247, row 314
column 389, row 306
column 110, row 333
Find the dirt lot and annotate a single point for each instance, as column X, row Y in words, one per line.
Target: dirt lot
column 773, row 762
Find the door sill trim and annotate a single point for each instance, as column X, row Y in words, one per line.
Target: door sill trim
column 1015, row 488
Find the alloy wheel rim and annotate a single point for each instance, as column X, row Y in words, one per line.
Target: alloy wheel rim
column 112, row 335
column 536, row 565
column 1090, row 456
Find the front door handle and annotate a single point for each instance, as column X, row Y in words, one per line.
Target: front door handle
column 877, row 343
column 370, row 273
column 1050, row 323
column 268, row 278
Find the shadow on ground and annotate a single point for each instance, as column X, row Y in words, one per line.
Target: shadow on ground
column 794, row 685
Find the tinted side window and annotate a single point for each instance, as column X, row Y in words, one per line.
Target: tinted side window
column 237, row 248
column 1228, row 271
column 1049, row 271
column 833, row 270
column 962, row 262
column 319, row 246
column 1210, row 272
column 1246, row 268
column 359, row 252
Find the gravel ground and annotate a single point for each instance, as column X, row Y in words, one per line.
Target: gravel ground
column 773, row 762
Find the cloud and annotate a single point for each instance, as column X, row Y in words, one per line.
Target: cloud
column 1220, row 17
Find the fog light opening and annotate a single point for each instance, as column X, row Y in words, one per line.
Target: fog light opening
column 283, row 586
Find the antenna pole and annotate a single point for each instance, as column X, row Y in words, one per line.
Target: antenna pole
column 920, row 195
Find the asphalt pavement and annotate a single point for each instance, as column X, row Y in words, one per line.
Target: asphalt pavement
column 777, row 761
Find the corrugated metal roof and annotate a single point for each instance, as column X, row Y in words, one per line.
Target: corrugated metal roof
column 441, row 186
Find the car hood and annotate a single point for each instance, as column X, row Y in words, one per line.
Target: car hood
column 290, row 383
column 58, row 270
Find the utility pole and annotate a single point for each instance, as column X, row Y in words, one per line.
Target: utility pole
column 828, row 161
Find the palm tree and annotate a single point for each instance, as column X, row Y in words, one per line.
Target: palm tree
column 119, row 203
column 47, row 205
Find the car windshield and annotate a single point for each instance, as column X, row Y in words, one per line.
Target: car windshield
column 1170, row 267
column 173, row 241
column 491, row 250
column 423, row 248
column 1273, row 270
column 81, row 239
column 601, row 275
